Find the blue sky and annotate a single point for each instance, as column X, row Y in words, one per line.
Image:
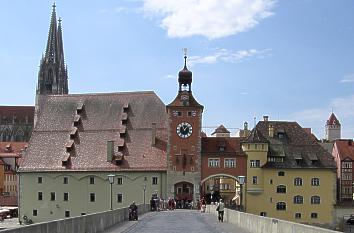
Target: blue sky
column 291, row 60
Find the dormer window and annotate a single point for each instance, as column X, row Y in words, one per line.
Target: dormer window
column 73, row 133
column 124, row 118
column 126, row 107
column 80, row 108
column 70, row 146
column 77, row 120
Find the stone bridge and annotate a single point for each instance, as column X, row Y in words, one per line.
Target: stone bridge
column 169, row 221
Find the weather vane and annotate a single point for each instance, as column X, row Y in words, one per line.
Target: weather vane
column 185, row 52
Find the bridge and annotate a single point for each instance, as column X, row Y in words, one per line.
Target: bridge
column 176, row 221
column 180, row 221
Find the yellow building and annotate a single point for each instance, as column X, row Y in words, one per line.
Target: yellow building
column 289, row 175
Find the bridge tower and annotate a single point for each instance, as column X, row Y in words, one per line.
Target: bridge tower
column 184, row 141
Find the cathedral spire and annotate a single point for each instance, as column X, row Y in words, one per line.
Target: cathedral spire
column 52, row 77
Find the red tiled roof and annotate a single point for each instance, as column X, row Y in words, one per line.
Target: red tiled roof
column 333, row 120
column 19, row 111
column 101, row 121
column 231, row 145
column 345, row 148
column 220, row 129
column 15, row 147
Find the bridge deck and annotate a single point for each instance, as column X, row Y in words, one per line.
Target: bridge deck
column 179, row 221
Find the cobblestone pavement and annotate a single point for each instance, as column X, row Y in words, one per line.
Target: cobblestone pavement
column 9, row 223
column 181, row 221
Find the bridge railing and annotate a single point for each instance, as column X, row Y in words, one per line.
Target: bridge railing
column 90, row 223
column 258, row 224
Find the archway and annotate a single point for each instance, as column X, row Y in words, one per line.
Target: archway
column 183, row 192
column 223, row 186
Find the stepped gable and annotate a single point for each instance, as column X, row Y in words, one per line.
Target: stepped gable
column 72, row 132
column 298, row 148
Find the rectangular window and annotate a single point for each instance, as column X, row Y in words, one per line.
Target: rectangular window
column 40, row 196
column 120, row 198
column 35, row 212
column 154, row 180
column 40, row 180
column 213, row 162
column 297, row 215
column 67, row 213
column 66, row 197
column 314, row 215
column 119, row 180
column 255, row 180
column 52, row 196
column 92, row 197
column 66, row 180
column 255, row 163
column 230, row 163
column 92, row 180
column 179, row 190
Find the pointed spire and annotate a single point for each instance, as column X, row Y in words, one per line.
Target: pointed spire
column 52, row 77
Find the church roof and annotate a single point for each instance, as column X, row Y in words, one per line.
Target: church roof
column 18, row 111
column 125, row 118
column 333, row 120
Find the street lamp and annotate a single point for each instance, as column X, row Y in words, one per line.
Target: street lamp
column 241, row 181
column 144, row 188
column 111, row 181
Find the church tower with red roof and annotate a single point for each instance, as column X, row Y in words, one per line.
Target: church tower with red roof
column 333, row 128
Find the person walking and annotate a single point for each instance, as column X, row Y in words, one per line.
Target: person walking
column 220, row 208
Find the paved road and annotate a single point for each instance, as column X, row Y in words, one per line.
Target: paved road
column 178, row 221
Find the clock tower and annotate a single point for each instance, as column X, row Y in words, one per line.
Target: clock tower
column 184, row 141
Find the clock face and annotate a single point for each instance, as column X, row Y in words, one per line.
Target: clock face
column 184, row 129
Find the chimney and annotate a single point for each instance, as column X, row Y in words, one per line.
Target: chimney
column 271, row 131
column 265, row 118
column 153, row 134
column 110, row 150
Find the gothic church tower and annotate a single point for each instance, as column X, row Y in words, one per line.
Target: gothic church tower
column 52, row 76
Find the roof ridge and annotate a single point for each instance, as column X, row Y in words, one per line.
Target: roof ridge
column 104, row 94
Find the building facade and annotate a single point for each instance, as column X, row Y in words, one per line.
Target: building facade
column 343, row 153
column 289, row 175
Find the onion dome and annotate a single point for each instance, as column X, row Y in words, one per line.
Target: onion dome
column 185, row 76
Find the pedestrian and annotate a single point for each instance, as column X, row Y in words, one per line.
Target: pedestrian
column 220, row 208
column 203, row 204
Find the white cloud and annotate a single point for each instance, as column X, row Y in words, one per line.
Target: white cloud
column 210, row 18
column 225, row 55
column 347, row 79
column 170, row 76
column 343, row 108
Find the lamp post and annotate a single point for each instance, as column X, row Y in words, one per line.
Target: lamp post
column 144, row 188
column 241, row 181
column 111, row 181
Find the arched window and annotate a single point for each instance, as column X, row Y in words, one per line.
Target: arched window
column 19, row 136
column 315, row 182
column 298, row 181
column 281, row 173
column 315, row 200
column 281, row 189
column 6, row 135
column 298, row 199
column 281, row 206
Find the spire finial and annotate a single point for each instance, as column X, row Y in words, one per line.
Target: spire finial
column 59, row 20
column 54, row 6
column 185, row 56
